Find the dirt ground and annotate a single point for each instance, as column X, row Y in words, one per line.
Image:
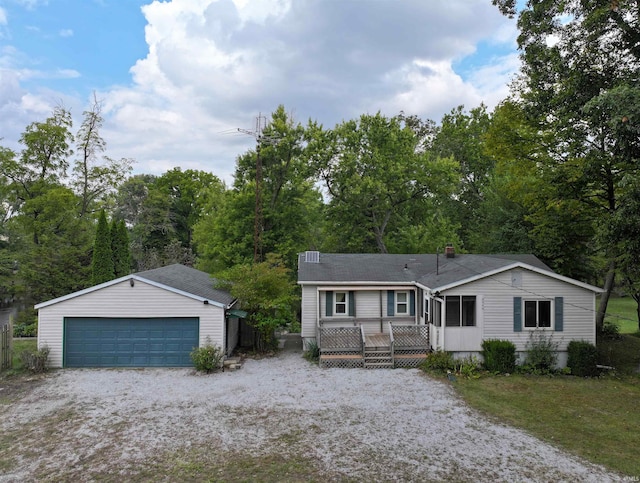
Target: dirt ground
column 276, row 419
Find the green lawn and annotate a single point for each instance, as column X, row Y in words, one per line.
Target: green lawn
column 622, row 312
column 597, row 419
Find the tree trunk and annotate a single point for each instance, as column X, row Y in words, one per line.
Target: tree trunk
column 604, row 298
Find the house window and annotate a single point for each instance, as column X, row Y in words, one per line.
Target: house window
column 460, row 311
column 402, row 303
column 537, row 314
column 340, row 306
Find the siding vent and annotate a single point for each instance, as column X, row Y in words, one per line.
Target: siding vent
column 312, row 257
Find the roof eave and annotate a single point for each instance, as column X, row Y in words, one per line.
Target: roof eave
column 123, row 279
column 525, row 266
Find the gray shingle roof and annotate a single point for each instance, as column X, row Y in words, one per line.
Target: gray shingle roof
column 428, row 269
column 187, row 279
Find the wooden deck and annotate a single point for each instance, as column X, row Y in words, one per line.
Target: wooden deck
column 377, row 340
column 350, row 347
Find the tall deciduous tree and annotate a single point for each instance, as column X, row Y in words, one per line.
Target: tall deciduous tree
column 102, row 269
column 378, row 179
column 581, row 62
column 623, row 233
column 95, row 174
column 290, row 206
column 461, row 136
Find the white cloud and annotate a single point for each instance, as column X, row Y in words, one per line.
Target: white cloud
column 3, row 16
column 212, row 66
column 66, row 33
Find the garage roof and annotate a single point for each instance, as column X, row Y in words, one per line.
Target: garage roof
column 175, row 278
column 188, row 280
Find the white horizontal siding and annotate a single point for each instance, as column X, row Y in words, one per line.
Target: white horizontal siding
column 123, row 300
column 309, row 311
column 497, row 294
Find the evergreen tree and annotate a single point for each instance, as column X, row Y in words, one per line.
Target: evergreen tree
column 120, row 249
column 102, row 269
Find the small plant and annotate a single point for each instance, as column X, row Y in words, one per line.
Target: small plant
column 610, row 330
column 207, row 358
column 312, row 354
column 439, row 361
column 542, row 354
column 499, row 356
column 35, row 361
column 583, row 358
column 469, row 367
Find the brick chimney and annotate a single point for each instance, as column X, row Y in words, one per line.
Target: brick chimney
column 449, row 251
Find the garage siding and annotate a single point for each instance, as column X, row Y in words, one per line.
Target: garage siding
column 121, row 300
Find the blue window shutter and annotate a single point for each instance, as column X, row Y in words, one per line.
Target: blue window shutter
column 559, row 314
column 352, row 304
column 412, row 303
column 517, row 314
column 329, row 297
column 391, row 303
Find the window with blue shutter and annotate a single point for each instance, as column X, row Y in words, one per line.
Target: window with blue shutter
column 412, row 303
column 559, row 313
column 391, row 303
column 517, row 314
column 352, row 304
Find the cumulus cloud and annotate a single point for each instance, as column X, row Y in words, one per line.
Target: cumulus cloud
column 213, row 65
column 66, row 33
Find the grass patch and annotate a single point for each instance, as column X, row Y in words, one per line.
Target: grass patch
column 622, row 312
column 199, row 464
column 20, row 345
column 596, row 419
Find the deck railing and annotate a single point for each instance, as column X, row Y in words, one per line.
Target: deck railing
column 411, row 344
column 341, row 346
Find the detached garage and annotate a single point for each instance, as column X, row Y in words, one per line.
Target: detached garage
column 148, row 319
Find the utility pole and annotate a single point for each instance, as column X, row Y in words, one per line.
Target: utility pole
column 261, row 123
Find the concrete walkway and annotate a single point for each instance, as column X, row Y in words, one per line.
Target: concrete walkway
column 290, row 342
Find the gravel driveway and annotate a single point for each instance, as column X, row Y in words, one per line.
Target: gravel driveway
column 347, row 424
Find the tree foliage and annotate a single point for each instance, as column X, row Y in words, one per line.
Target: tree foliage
column 578, row 89
column 266, row 291
column 378, row 179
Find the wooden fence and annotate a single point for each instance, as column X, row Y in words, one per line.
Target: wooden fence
column 6, row 340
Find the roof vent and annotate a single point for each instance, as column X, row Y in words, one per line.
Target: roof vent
column 312, row 257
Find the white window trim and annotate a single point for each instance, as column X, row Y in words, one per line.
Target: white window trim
column 552, row 315
column 407, row 310
column 345, row 303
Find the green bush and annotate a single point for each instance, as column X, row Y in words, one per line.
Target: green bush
column 439, row 361
column 583, row 358
column 35, row 361
column 26, row 323
column 499, row 355
column 542, row 353
column 207, row 358
column 610, row 330
column 312, row 353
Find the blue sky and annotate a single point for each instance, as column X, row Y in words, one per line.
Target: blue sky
column 176, row 77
